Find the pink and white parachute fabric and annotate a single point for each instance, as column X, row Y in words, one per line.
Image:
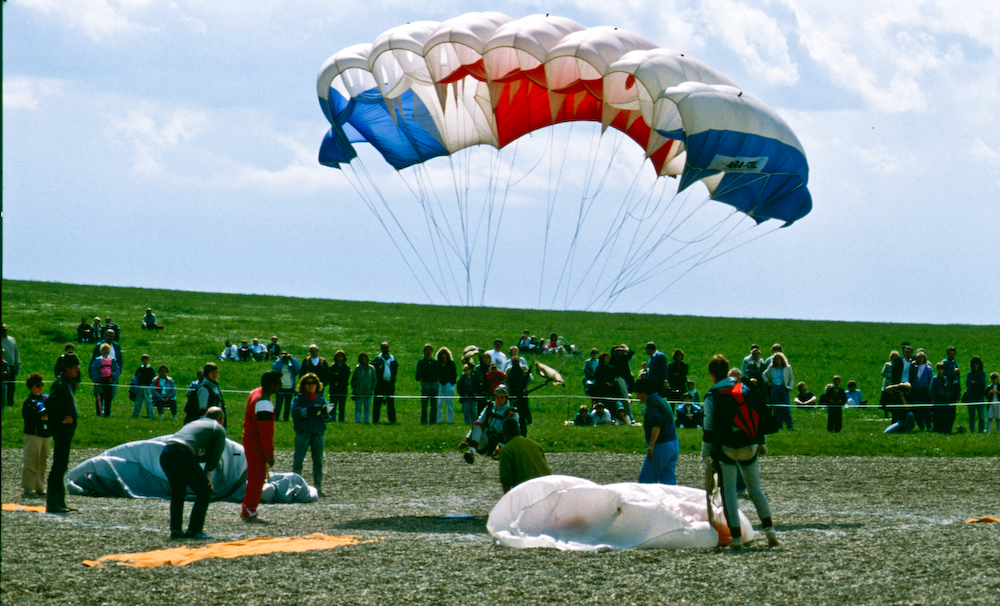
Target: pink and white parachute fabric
column 429, row 89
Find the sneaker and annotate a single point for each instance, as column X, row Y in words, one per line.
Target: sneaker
column 201, row 536
column 772, row 537
column 736, row 544
column 469, row 456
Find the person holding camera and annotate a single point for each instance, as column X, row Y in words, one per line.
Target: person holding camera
column 289, row 368
column 310, row 413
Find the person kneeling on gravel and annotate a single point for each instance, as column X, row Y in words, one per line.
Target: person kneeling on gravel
column 486, row 435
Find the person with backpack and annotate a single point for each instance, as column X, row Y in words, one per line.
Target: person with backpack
column 733, row 436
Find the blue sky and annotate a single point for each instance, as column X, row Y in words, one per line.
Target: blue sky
column 173, row 145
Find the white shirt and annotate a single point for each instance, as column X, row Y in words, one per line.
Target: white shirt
column 499, row 358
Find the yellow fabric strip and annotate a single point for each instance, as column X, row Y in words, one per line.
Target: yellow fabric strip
column 182, row 556
column 16, row 507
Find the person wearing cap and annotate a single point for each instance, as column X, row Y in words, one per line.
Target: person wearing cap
column 200, row 441
column 521, row 459
column 486, row 435
column 149, row 321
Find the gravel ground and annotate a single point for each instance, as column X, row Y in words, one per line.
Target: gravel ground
column 852, row 530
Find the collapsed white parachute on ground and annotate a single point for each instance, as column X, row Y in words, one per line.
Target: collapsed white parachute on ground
column 574, row 514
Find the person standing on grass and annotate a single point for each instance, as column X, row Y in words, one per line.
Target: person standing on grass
column 309, row 415
column 942, row 391
column 289, row 369
column 836, row 397
column 201, row 441
column 428, row 372
column 84, row 333
column 61, row 406
column 447, row 375
column 993, row 402
column 975, row 394
column 660, row 463
column 104, row 371
column 731, row 453
column 677, row 373
column 782, row 380
column 258, row 441
column 657, row 372
column 340, row 383
column 363, row 386
column 521, row 459
column 386, row 370
column 209, row 393
column 144, row 375
column 317, row 365
column 467, row 390
column 36, row 438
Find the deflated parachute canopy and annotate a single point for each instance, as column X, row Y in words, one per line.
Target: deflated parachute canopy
column 429, row 89
column 578, row 515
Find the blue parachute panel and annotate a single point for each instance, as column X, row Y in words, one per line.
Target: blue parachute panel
column 764, row 178
column 409, row 139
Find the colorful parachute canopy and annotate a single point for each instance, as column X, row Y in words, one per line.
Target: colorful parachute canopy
column 430, row 89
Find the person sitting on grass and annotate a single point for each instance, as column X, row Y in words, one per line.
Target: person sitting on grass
column 583, row 417
column 84, row 332
column 854, row 397
column 600, row 414
column 258, row 350
column 688, row 414
column 164, row 392
column 521, row 459
column 486, row 435
column 805, row 398
column 149, row 321
column 244, row 353
column 231, row 353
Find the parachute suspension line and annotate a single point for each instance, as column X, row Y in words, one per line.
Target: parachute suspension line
column 431, row 224
column 444, row 240
column 369, row 202
column 611, row 237
column 549, row 147
column 641, row 253
column 704, row 259
column 494, row 189
column 586, row 204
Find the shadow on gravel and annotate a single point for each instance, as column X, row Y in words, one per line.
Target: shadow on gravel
column 815, row 526
column 419, row 524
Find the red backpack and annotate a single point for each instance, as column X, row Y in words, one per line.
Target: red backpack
column 739, row 419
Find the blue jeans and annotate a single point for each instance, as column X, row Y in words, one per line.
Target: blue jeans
column 429, row 399
column 143, row 397
column 314, row 443
column 974, row 410
column 662, row 469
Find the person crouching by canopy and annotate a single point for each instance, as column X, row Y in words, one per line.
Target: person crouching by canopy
column 660, row 464
column 486, row 435
column 521, row 459
column 200, row 441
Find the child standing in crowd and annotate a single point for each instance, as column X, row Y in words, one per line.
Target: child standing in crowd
column 104, row 371
column 835, row 400
column 36, row 439
column 467, row 394
column 993, row 402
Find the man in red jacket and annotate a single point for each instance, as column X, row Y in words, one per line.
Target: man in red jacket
column 258, row 441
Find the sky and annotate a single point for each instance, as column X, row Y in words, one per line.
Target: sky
column 174, row 145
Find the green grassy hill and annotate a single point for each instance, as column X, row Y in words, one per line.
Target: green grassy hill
column 43, row 318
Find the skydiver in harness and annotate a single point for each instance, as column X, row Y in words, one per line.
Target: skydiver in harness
column 486, row 435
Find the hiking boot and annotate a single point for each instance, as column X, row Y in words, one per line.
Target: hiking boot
column 56, row 509
column 772, row 537
column 469, row 456
column 737, row 544
column 201, row 536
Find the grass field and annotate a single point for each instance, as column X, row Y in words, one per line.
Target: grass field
column 43, row 318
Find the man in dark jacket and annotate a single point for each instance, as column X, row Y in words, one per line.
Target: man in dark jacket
column 316, row 364
column 386, row 368
column 428, row 371
column 61, row 405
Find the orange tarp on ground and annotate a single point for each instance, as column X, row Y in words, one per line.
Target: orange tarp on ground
column 982, row 519
column 182, row 556
column 16, row 507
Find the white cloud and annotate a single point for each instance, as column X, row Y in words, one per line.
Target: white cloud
column 983, row 151
column 28, row 93
column 97, row 19
column 153, row 137
column 755, row 37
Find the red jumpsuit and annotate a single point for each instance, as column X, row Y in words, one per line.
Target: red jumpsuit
column 258, row 445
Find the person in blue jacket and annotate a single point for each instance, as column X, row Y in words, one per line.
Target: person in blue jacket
column 289, row 368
